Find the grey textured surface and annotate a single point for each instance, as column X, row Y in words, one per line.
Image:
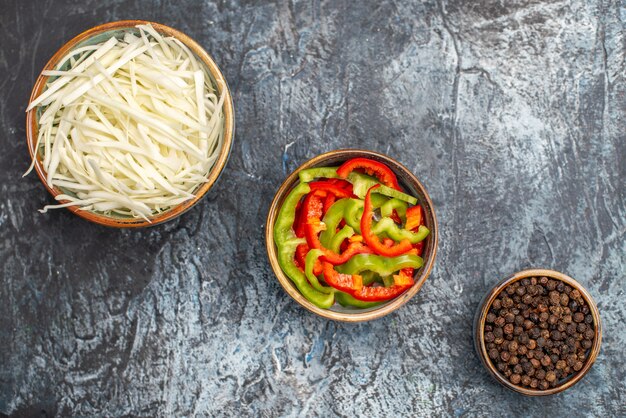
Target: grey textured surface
column 511, row 112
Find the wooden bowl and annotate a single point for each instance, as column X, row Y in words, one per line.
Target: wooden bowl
column 413, row 187
column 479, row 330
column 99, row 34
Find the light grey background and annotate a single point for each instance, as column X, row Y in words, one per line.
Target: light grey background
column 510, row 112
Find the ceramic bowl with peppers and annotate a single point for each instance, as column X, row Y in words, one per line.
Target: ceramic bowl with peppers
column 351, row 235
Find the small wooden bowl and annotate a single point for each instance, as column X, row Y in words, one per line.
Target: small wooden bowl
column 479, row 330
column 413, row 187
column 102, row 33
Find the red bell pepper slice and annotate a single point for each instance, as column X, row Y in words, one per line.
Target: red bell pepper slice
column 371, row 239
column 395, row 217
column 353, row 284
column 335, row 188
column 345, row 282
column 311, row 232
column 371, row 167
column 414, row 217
column 311, row 207
column 328, row 202
column 419, row 247
column 401, row 282
column 301, row 251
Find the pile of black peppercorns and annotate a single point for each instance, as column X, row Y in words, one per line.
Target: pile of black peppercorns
column 538, row 332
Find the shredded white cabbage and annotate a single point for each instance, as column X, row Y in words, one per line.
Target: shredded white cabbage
column 131, row 127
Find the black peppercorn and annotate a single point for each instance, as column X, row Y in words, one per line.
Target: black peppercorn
column 498, row 332
column 538, row 332
column 540, row 374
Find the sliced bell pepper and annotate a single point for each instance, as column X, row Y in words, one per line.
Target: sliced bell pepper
column 329, row 187
column 301, row 252
column 388, row 227
column 372, row 240
column 419, row 247
column 311, row 231
column 286, row 243
column 353, row 285
column 395, row 217
column 332, row 219
column 311, row 174
column 397, row 205
column 345, row 233
column 345, row 282
column 362, row 183
column 371, row 167
column 384, row 266
column 413, row 217
column 328, row 202
column 311, row 207
column 369, row 277
column 379, row 293
column 346, row 300
column 312, row 260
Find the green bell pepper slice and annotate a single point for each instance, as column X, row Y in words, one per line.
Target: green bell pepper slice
column 361, row 183
column 388, row 207
column 384, row 266
column 309, row 262
column 335, row 242
column 286, row 244
column 370, row 277
column 351, row 211
column 348, row 301
column 310, row 174
column 388, row 227
column 332, row 219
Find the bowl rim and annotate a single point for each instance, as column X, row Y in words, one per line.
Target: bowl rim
column 214, row 173
column 286, row 283
column 481, row 315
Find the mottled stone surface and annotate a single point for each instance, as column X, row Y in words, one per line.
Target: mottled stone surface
column 511, row 112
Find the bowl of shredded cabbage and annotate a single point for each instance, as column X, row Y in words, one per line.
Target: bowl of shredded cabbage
column 129, row 124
